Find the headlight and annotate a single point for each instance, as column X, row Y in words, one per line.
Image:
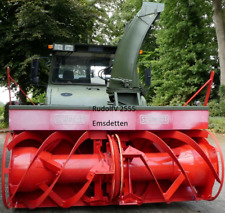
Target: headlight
column 62, row 47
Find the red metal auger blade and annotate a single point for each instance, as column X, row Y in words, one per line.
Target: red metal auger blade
column 24, row 136
column 222, row 165
column 37, row 202
column 53, row 137
column 5, row 170
column 186, row 139
column 153, row 138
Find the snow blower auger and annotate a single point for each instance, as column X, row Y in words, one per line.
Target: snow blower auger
column 95, row 142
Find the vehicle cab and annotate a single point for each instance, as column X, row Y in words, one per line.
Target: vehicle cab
column 79, row 74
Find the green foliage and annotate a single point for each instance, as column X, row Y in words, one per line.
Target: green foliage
column 39, row 98
column 4, row 120
column 216, row 108
column 6, row 115
column 185, row 43
column 123, row 13
column 222, row 93
column 2, row 125
column 27, row 27
column 217, row 124
column 217, row 112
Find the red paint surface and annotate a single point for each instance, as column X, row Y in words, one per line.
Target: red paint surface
column 74, row 168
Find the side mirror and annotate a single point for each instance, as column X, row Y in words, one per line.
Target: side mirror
column 34, row 71
column 148, row 76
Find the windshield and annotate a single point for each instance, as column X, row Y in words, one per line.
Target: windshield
column 82, row 68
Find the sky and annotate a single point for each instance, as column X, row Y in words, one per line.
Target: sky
column 4, row 95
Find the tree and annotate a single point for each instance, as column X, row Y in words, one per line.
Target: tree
column 218, row 18
column 185, row 50
column 123, row 11
column 27, row 27
column 220, row 32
